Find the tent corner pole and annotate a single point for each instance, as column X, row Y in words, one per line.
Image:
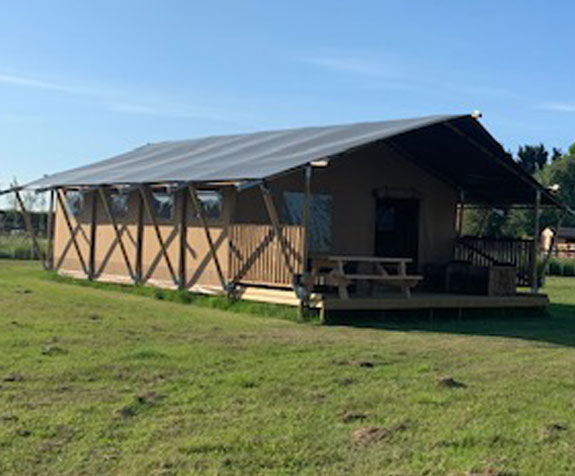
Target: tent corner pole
column 535, row 246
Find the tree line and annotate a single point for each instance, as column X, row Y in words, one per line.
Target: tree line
column 555, row 170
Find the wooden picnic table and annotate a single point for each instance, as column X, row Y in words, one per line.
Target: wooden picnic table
column 387, row 270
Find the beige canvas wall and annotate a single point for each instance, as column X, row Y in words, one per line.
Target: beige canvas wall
column 109, row 260
column 352, row 181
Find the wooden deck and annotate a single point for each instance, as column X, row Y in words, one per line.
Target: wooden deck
column 396, row 301
column 419, row 301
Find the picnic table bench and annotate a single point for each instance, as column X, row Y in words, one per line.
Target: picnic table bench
column 388, row 271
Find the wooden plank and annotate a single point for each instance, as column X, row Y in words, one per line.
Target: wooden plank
column 93, row 228
column 140, row 240
column 183, row 238
column 381, row 277
column 50, row 231
column 306, row 217
column 437, row 301
column 368, row 259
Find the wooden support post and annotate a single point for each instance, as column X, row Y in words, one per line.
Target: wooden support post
column 152, row 215
column 485, row 221
column 119, row 239
column 203, row 220
column 140, row 240
column 306, row 217
column 461, row 213
column 535, row 249
column 183, row 237
column 71, row 231
column 93, row 230
column 29, row 226
column 230, row 202
column 50, row 232
column 307, row 280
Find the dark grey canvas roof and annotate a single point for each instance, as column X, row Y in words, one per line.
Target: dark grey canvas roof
column 234, row 157
column 454, row 147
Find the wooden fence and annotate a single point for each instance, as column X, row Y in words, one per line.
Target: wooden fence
column 493, row 251
column 256, row 255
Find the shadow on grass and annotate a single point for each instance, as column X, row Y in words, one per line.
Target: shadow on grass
column 556, row 325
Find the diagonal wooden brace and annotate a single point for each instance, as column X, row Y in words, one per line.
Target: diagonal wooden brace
column 151, row 214
column 272, row 213
column 114, row 222
column 202, row 216
column 71, row 230
column 30, row 228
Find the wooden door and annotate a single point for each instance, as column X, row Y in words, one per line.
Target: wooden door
column 397, row 228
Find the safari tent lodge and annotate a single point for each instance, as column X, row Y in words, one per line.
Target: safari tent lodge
column 363, row 216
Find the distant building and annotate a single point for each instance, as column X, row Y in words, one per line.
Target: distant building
column 564, row 246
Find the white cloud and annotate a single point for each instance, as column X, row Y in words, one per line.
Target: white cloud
column 166, row 109
column 119, row 101
column 560, row 106
column 352, row 64
column 30, row 82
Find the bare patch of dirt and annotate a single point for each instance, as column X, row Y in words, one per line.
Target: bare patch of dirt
column 449, row 382
column 13, row 377
column 369, row 434
column 346, row 381
column 149, row 398
column 51, row 350
column 366, row 364
column 140, row 402
column 552, row 431
column 489, row 472
column 127, row 411
column 350, row 417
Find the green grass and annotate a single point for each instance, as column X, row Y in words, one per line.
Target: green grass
column 18, row 246
column 200, row 300
column 95, row 381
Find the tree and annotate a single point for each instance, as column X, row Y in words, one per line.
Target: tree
column 556, row 154
column 532, row 158
column 517, row 222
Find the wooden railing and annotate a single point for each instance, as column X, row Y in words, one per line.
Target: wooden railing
column 256, row 255
column 494, row 251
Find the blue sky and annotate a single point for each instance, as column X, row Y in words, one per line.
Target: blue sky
column 80, row 81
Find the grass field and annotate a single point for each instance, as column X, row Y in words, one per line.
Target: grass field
column 99, row 382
